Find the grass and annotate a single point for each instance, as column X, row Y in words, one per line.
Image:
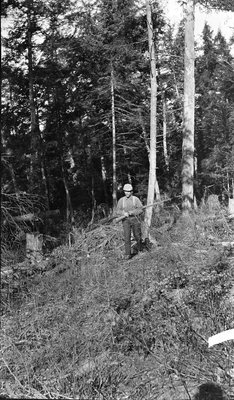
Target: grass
column 95, row 327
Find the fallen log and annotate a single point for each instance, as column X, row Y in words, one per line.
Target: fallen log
column 35, row 217
column 26, row 217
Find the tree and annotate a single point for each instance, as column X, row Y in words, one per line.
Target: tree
column 225, row 5
column 189, row 102
column 153, row 122
column 88, row 64
column 189, row 98
column 169, row 116
column 114, row 190
column 119, row 37
column 34, row 177
column 213, row 139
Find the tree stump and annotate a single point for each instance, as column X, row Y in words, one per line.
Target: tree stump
column 34, row 242
column 213, row 203
column 231, row 207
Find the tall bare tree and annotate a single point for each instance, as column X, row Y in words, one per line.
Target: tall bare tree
column 189, row 98
column 165, row 152
column 114, row 189
column 34, row 126
column 152, row 181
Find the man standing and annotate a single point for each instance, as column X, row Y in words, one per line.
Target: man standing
column 130, row 207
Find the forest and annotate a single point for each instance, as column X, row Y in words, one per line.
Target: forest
column 96, row 94
column 69, row 69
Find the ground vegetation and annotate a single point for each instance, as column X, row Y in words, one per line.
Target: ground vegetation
column 86, row 324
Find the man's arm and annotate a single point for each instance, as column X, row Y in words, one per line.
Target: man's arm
column 119, row 209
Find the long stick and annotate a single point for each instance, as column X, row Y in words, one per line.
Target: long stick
column 118, row 219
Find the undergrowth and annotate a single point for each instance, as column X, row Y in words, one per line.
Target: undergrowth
column 95, row 327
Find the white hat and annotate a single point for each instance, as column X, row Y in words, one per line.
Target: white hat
column 127, row 187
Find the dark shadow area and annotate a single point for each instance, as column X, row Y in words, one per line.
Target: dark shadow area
column 209, row 391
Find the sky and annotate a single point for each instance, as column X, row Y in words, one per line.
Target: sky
column 222, row 20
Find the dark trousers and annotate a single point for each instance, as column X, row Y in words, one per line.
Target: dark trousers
column 132, row 224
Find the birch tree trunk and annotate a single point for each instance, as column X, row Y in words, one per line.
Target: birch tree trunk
column 152, row 186
column 189, row 105
column 114, row 190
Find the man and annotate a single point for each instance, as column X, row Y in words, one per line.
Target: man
column 130, row 207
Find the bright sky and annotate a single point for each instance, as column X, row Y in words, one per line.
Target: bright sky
column 216, row 19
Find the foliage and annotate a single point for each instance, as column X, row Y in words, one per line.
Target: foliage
column 214, row 143
column 73, row 50
column 225, row 5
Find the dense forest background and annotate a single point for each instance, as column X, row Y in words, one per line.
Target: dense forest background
column 79, row 322
column 66, row 67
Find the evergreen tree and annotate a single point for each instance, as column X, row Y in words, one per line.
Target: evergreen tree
column 214, row 107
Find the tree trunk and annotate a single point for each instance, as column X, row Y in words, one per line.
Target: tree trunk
column 33, row 177
column 114, row 190
column 166, row 158
column 104, row 179
column 189, row 96
column 157, row 191
column 69, row 209
column 94, row 203
column 34, row 242
column 153, row 124
column 146, row 140
column 43, row 171
column 45, row 183
column 12, row 172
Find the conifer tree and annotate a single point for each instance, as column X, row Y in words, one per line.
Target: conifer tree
column 214, row 106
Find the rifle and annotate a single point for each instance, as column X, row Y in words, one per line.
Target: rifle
column 118, row 219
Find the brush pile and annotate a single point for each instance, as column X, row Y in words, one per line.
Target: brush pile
column 94, row 327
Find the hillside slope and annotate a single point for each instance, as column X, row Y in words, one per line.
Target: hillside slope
column 96, row 327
